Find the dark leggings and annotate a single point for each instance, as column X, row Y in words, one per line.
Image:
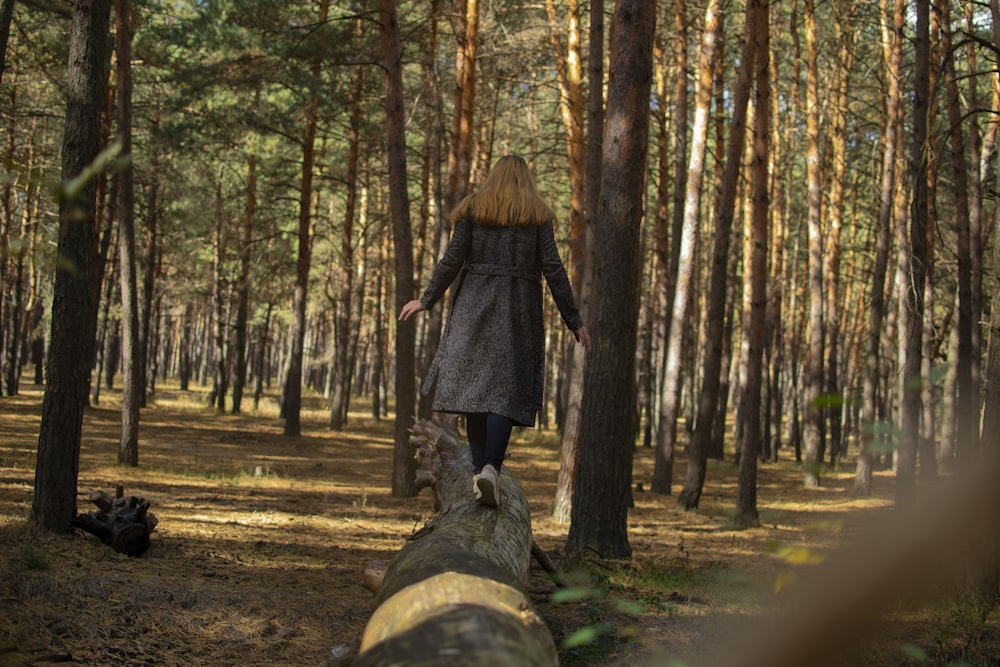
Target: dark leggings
column 488, row 438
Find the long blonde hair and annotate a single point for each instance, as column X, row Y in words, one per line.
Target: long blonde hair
column 508, row 196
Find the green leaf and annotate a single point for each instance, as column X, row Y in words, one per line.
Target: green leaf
column 71, row 190
column 572, row 594
column 586, row 635
column 628, row 607
column 829, row 401
column 914, row 653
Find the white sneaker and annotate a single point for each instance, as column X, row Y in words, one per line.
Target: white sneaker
column 488, row 487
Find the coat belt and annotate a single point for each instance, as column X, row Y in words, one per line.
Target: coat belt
column 500, row 270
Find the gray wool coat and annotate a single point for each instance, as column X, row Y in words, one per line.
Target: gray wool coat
column 492, row 354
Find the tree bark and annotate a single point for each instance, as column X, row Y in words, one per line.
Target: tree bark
column 746, row 499
column 813, row 381
column 454, row 594
column 343, row 326
column 582, row 267
column 74, row 293
column 402, row 462
column 151, row 269
column 913, row 295
column 892, row 45
column 708, row 400
column 292, row 404
column 833, row 382
column 240, row 325
column 607, row 428
column 128, row 447
column 967, row 404
column 666, row 432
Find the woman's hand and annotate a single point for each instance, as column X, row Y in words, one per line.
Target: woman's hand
column 410, row 308
column 583, row 337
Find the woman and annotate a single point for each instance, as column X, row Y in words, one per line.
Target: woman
column 489, row 365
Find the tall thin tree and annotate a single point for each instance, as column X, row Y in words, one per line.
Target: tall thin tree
column 670, row 406
column 708, row 398
column 292, row 404
column 128, row 447
column 403, row 463
column 892, row 49
column 913, row 296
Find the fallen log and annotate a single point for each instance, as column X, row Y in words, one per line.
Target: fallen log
column 454, row 595
column 123, row 523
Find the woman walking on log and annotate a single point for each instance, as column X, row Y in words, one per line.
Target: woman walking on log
column 489, row 364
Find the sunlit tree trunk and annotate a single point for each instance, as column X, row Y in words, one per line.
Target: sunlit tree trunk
column 343, row 327
column 669, row 229
column 602, row 494
column 712, row 355
column 75, row 292
column 128, row 447
column 667, row 428
column 813, row 380
column 220, row 378
column 585, row 182
column 892, row 46
column 834, row 289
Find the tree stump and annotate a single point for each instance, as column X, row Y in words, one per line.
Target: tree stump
column 123, row 523
column 454, row 595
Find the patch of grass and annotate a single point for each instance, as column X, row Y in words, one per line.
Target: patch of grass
column 30, row 557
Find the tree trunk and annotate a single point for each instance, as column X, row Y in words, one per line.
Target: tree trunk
column 75, row 292
column 967, row 404
column 128, row 447
column 292, row 403
column 666, row 432
column 892, row 45
column 601, row 497
column 240, row 332
column 344, row 326
column 746, row 500
column 813, row 381
column 151, row 267
column 219, row 298
column 913, row 294
column 833, row 382
column 708, row 399
column 454, row 594
column 582, row 268
column 402, row 462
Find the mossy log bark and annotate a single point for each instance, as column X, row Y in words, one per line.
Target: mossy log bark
column 454, row 594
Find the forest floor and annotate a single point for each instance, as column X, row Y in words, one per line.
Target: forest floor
column 263, row 539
